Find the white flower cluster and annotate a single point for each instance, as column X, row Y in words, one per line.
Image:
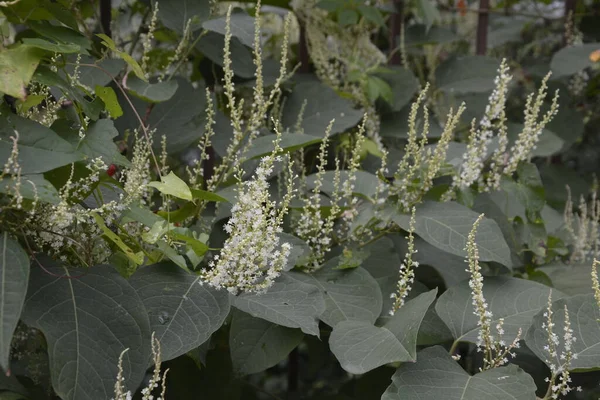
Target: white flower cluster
column 584, row 227
column 560, row 379
column 407, row 273
column 11, row 167
column 495, row 351
column 252, row 256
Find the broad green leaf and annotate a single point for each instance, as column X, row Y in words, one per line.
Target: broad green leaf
column 447, row 226
column 137, row 258
column 572, row 59
column 88, row 317
column 109, row 97
column 420, row 35
column 377, row 87
column 346, row 17
column 172, row 185
column 211, row 45
column 322, row 105
column 40, row 148
column 468, row 74
column 98, row 142
column 350, row 294
column 152, row 92
column 570, row 279
column 449, row 266
column 175, row 118
column 241, row 25
column 206, row 195
column 53, row 47
column 360, row 346
column 94, row 73
column 135, row 67
column 403, row 85
column 289, row 142
column 61, row 34
column 289, row 302
column 183, row 313
column 48, row 77
column 32, row 187
column 428, row 12
column 372, row 14
column 14, row 277
column 515, row 300
column 395, row 125
column 383, row 263
column 17, row 66
column 256, row 344
column 175, row 14
column 584, row 315
column 436, row 376
column 299, row 253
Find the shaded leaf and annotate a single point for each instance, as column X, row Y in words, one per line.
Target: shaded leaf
column 515, row 300
column 183, row 313
column 572, row 59
column 256, row 344
column 361, row 346
column 436, row 375
column 17, row 66
column 289, row 302
column 152, row 92
column 468, row 74
column 241, row 25
column 32, row 187
column 289, row 142
column 14, row 277
column 175, row 14
column 88, row 321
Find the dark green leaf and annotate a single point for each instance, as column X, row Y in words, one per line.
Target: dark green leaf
column 289, row 302
column 361, row 346
column 152, row 92
column 289, row 142
column 14, row 276
column 242, row 27
column 436, row 375
column 88, row 317
column 183, row 313
column 572, row 59
column 346, row 17
column 256, row 344
column 468, row 74
column 175, row 14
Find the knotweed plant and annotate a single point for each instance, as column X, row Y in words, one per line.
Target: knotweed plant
column 583, row 227
column 253, row 255
column 494, row 349
column 407, row 273
column 559, row 364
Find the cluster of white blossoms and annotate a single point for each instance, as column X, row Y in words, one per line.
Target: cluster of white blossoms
column 407, row 273
column 584, row 227
column 495, row 350
column 559, row 364
column 252, row 256
column 503, row 161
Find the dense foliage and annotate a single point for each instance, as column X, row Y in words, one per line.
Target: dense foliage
column 308, row 199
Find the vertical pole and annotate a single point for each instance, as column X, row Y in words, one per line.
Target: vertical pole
column 396, row 20
column 105, row 16
column 482, row 27
column 303, row 51
column 293, row 374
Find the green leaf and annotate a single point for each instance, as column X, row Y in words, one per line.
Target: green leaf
column 322, row 105
column 584, row 315
column 428, row 12
column 241, row 24
column 175, row 14
column 137, row 258
column 360, row 346
column 257, row 345
column 173, row 185
column 447, row 226
column 61, row 34
column 350, row 294
column 436, row 375
column 49, row 46
column 468, row 74
column 40, row 148
column 300, row 250
column 549, row 142
column 88, row 317
column 330, row 5
column 151, row 92
column 98, row 142
column 183, row 313
column 32, row 187
column 403, row 85
column 347, row 16
column 365, row 184
column 289, row 142
column 383, row 265
column 97, row 72
column 109, row 97
column 135, row 67
column 17, row 66
column 211, row 45
column 377, row 87
column 289, row 302
column 14, row 276
column 175, row 117
column 515, row 300
column 572, row 59
column 371, row 14
column 206, row 195
column 570, row 279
